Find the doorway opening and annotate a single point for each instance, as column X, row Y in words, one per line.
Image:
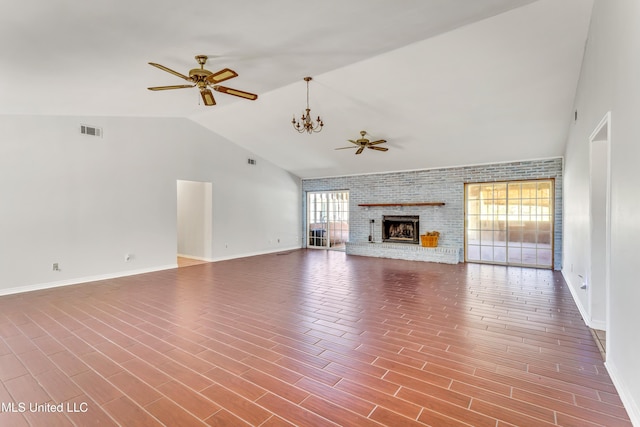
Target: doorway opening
column 599, row 230
column 194, row 222
column 328, row 219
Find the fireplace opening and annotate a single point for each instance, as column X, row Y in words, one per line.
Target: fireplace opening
column 401, row 228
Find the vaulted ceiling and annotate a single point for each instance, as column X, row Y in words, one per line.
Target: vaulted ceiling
column 445, row 82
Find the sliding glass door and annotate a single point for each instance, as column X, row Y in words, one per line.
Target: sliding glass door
column 510, row 223
column 328, row 219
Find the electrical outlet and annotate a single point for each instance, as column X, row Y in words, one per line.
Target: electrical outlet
column 584, row 282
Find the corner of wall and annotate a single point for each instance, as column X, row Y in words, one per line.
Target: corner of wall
column 623, row 391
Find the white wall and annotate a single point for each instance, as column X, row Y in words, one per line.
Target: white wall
column 610, row 82
column 86, row 202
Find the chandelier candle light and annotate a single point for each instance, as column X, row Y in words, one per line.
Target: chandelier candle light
column 305, row 124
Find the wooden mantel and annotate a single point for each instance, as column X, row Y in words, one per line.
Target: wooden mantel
column 404, row 204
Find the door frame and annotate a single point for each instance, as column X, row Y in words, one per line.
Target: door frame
column 599, row 262
column 328, row 229
column 507, row 232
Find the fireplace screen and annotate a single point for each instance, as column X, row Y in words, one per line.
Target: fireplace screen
column 401, row 229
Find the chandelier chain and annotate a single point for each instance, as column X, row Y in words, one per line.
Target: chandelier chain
column 306, row 124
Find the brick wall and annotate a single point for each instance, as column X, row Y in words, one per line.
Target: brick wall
column 433, row 185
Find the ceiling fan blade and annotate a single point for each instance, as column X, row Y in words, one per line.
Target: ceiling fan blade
column 169, row 70
column 344, row 148
column 360, row 150
column 379, row 148
column 169, row 87
column 380, row 141
column 222, row 75
column 354, row 142
column 236, row 92
column 207, row 97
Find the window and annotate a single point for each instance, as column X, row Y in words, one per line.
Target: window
column 510, row 223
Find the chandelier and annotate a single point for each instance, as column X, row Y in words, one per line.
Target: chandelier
column 305, row 124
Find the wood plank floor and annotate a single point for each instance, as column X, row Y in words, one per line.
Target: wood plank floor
column 188, row 262
column 305, row 338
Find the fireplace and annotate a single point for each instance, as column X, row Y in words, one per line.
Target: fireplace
column 401, row 228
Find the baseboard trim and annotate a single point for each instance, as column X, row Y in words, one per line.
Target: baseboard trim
column 627, row 400
column 598, row 324
column 246, row 255
column 196, row 257
column 593, row 324
column 616, row 377
column 576, row 299
column 78, row 280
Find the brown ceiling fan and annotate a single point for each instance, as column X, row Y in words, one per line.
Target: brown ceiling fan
column 204, row 79
column 363, row 143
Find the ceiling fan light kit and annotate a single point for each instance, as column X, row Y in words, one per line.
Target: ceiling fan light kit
column 205, row 80
column 306, row 124
column 363, row 143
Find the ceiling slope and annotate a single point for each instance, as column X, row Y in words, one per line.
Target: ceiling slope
column 445, row 82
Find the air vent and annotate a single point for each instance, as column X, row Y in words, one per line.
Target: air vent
column 90, row 130
column 251, row 161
